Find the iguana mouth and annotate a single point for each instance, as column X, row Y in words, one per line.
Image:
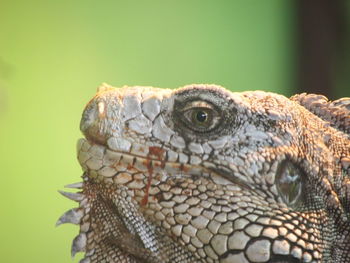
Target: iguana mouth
column 149, row 164
column 105, row 161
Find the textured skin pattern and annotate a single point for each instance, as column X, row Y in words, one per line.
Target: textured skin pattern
column 201, row 174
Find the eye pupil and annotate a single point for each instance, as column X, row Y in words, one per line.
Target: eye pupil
column 201, row 116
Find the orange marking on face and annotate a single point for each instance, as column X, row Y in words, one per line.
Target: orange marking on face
column 154, row 198
column 184, row 168
column 157, row 152
column 187, row 192
column 141, row 149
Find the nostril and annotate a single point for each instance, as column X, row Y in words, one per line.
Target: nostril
column 89, row 117
column 91, row 122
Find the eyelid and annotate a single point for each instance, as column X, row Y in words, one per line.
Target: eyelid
column 197, row 104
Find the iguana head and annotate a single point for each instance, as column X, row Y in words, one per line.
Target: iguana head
column 201, row 174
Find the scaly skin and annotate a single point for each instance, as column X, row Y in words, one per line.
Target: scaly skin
column 201, row 174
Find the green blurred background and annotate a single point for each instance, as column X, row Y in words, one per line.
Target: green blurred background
column 54, row 54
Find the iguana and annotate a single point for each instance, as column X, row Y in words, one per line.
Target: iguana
column 202, row 174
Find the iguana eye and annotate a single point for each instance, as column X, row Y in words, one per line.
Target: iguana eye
column 200, row 116
column 289, row 182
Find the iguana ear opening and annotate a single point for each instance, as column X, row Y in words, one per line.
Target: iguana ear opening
column 337, row 112
column 290, row 183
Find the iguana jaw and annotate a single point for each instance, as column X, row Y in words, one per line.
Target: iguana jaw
column 108, row 173
column 105, row 164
